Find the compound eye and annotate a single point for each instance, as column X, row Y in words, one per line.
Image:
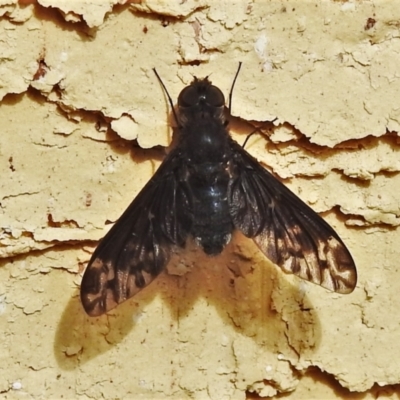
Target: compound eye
column 188, row 97
column 214, row 97
column 201, row 92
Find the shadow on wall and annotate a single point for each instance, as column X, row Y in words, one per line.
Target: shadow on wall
column 251, row 296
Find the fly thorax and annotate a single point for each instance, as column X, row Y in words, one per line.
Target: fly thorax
column 207, row 145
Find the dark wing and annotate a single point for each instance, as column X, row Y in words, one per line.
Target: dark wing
column 138, row 246
column 286, row 230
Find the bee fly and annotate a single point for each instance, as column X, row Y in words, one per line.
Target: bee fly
column 206, row 187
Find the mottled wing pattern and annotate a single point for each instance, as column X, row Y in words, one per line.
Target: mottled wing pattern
column 138, row 246
column 286, row 230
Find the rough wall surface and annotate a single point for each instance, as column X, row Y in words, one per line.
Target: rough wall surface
column 84, row 121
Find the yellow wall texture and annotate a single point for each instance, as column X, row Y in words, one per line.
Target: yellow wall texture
column 83, row 126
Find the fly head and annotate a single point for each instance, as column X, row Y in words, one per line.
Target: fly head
column 201, row 100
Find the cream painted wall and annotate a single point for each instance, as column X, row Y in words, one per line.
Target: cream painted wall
column 77, row 88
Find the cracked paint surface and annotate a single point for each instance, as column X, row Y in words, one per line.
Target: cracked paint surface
column 84, row 124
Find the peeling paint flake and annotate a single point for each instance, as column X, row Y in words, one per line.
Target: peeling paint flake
column 17, row 66
column 91, row 11
column 175, row 8
column 125, row 127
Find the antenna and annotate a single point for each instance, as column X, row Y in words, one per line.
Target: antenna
column 233, row 85
column 168, row 96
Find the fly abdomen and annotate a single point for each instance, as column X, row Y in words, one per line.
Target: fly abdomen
column 212, row 224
